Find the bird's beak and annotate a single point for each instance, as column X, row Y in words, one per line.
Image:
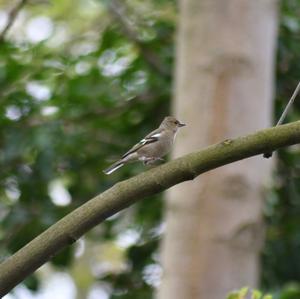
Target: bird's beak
column 181, row 125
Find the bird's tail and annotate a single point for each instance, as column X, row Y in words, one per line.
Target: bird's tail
column 113, row 167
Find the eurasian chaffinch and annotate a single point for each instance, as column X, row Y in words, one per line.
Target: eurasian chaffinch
column 153, row 147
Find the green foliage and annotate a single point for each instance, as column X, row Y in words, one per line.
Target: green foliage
column 290, row 291
column 68, row 109
column 240, row 294
column 244, row 293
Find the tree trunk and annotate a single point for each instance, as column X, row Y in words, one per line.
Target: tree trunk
column 224, row 84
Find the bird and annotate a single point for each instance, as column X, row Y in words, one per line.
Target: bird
column 152, row 147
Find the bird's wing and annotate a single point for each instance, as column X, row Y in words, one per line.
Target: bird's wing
column 150, row 138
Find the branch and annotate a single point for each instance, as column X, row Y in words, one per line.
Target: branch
column 117, row 10
column 125, row 193
column 11, row 18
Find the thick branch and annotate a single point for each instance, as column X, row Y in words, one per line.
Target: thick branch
column 123, row 194
column 11, row 18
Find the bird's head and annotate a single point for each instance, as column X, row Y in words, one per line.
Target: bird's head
column 172, row 123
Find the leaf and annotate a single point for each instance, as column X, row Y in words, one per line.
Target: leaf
column 233, row 295
column 256, row 294
column 243, row 292
column 239, row 294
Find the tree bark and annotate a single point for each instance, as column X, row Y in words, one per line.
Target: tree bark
column 123, row 194
column 224, row 73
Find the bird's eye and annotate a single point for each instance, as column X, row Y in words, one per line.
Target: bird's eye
column 176, row 122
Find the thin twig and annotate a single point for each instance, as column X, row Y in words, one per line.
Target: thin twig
column 118, row 11
column 290, row 103
column 284, row 113
column 11, row 18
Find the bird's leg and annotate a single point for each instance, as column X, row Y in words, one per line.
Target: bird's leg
column 152, row 160
column 148, row 161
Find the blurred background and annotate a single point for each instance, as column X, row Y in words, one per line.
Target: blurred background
column 81, row 81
